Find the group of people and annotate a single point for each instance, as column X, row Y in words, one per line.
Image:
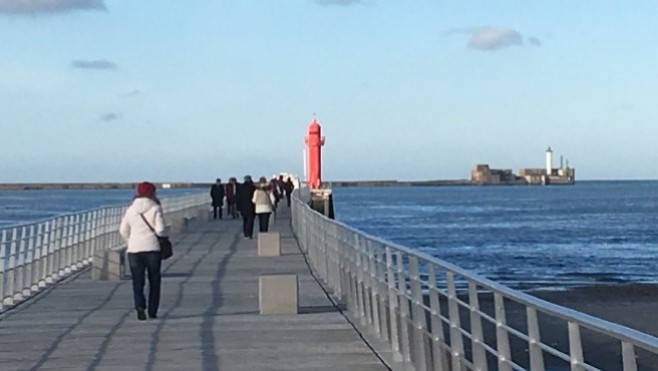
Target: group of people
column 250, row 200
column 143, row 222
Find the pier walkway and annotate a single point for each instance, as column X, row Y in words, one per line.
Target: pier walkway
column 208, row 320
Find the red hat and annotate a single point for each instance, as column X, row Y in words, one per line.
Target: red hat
column 145, row 189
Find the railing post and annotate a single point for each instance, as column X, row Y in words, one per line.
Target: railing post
column 93, row 236
column 74, row 263
column 50, row 257
column 358, row 271
column 56, row 272
column 37, row 258
column 438, row 341
column 534, row 341
column 11, row 271
column 419, row 318
column 45, row 254
column 479, row 354
column 404, row 308
column 64, row 247
column 28, row 259
column 393, row 307
column 628, row 356
column 375, row 296
column 575, row 347
column 382, row 290
column 502, row 338
column 365, row 280
column 19, row 267
column 456, row 339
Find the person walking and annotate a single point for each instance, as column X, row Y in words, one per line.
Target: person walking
column 231, row 190
column 281, row 184
column 246, row 206
column 217, row 195
column 276, row 193
column 263, row 204
column 139, row 226
column 288, row 188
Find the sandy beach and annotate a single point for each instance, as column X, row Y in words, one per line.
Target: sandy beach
column 634, row 306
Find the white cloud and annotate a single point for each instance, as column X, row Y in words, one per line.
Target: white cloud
column 48, row 6
column 494, row 38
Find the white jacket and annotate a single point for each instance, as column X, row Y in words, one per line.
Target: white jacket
column 262, row 201
column 136, row 232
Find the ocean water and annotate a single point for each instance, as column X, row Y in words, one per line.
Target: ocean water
column 18, row 207
column 525, row 237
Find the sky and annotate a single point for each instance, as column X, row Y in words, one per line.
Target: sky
column 112, row 91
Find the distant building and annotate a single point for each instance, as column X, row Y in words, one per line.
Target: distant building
column 483, row 175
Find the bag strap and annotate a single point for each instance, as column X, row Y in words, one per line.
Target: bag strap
column 149, row 224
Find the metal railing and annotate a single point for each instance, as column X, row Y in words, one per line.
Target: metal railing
column 35, row 255
column 437, row 316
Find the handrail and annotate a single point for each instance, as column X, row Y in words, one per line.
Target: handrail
column 438, row 316
column 37, row 254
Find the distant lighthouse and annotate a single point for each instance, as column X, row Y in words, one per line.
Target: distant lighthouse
column 314, row 142
column 549, row 161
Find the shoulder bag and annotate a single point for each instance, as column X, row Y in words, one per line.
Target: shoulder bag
column 166, row 249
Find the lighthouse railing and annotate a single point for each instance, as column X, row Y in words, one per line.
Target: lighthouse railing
column 437, row 316
column 35, row 255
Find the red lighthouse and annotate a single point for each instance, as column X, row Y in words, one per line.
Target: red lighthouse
column 314, row 141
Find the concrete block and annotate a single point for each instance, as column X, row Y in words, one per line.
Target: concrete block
column 278, row 294
column 109, row 265
column 269, row 244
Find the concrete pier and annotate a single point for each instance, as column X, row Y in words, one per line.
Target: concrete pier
column 208, row 320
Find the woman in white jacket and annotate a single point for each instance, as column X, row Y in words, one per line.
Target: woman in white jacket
column 263, row 204
column 143, row 247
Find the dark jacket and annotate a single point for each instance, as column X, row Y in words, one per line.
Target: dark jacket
column 245, row 194
column 217, row 194
column 231, row 191
column 288, row 187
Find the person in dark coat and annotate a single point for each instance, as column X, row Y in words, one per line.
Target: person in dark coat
column 246, row 206
column 231, row 195
column 217, row 195
column 288, row 188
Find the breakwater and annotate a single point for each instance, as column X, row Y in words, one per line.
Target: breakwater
column 398, row 183
column 57, row 186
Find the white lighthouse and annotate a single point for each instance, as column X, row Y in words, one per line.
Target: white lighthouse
column 549, row 161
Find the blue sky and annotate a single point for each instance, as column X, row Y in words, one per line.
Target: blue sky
column 104, row 90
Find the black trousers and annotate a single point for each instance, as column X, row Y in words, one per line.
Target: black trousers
column 217, row 210
column 264, row 222
column 248, row 225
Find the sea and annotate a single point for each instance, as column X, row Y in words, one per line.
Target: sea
column 20, row 207
column 526, row 237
